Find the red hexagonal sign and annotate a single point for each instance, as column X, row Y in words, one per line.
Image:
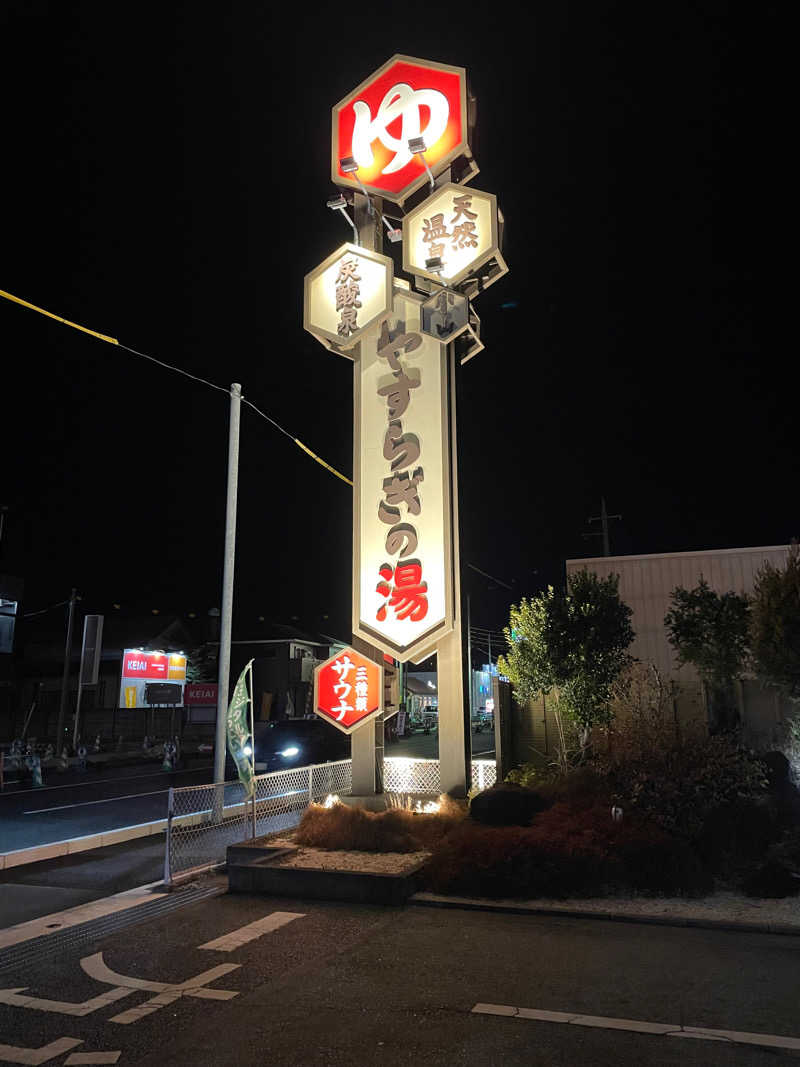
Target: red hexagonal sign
column 348, row 690
column 405, row 99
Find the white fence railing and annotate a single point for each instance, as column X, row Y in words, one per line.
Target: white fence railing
column 202, row 820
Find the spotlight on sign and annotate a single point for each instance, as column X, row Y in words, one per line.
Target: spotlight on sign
column 416, row 145
column 459, row 227
column 346, row 294
column 338, row 203
column 349, row 166
column 393, row 234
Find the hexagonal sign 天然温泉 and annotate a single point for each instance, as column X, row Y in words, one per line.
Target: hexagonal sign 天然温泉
column 405, row 100
column 346, row 294
column 450, row 236
column 348, row 690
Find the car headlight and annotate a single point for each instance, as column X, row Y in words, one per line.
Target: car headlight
column 287, row 752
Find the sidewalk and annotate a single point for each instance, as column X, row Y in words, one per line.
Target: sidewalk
column 721, row 911
column 98, row 766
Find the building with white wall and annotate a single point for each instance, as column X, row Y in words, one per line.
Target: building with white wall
column 646, row 584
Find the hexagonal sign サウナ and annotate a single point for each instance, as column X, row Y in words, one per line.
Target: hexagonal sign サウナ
column 348, row 690
column 403, row 100
column 451, row 235
column 346, row 294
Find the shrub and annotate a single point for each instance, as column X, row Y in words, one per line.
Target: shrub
column 772, row 880
column 735, row 836
column 395, row 830
column 506, row 805
column 679, row 788
column 566, row 852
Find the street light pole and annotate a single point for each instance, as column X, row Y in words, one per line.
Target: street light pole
column 62, row 707
column 227, row 584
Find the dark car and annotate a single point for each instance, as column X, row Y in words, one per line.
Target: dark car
column 295, row 743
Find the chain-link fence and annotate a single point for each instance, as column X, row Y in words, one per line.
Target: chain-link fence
column 204, row 819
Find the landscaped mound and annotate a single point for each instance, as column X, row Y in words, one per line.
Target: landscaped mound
column 355, row 829
column 567, row 851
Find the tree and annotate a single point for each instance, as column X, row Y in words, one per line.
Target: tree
column 575, row 643
column 202, row 664
column 775, row 624
column 710, row 630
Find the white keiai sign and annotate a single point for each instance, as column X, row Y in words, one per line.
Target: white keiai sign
column 403, row 523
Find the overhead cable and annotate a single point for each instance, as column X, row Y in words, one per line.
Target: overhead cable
column 178, row 370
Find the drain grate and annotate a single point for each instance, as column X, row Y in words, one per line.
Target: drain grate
column 46, row 946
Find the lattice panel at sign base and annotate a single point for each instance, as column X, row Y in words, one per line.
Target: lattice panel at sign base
column 401, row 775
column 484, row 773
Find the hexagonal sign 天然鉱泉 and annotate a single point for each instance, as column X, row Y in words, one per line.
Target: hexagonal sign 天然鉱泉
column 405, row 100
column 348, row 690
column 346, row 294
column 450, row 236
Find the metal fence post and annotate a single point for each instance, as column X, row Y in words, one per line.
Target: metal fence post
column 311, row 784
column 167, row 861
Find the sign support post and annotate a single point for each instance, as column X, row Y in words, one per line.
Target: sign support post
column 62, row 706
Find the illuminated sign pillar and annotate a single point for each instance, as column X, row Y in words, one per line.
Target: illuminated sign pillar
column 401, row 137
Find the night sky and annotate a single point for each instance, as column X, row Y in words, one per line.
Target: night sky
column 166, row 169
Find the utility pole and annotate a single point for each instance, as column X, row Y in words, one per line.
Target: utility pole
column 603, row 518
column 227, row 586
column 62, row 707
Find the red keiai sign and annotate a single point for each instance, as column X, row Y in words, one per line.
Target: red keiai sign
column 405, row 99
column 348, row 690
column 145, row 665
column 200, row 693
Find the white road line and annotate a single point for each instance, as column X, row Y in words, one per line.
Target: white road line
column 156, row 792
column 236, row 938
column 88, row 803
column 640, row 1026
column 61, row 920
column 34, row 1056
column 78, row 1058
column 103, row 781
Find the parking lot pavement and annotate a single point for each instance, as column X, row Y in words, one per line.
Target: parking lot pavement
column 247, row 979
column 36, row 889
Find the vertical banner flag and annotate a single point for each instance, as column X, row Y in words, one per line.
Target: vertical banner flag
column 239, row 731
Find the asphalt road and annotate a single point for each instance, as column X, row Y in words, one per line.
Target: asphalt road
column 343, row 984
column 128, row 796
column 123, row 797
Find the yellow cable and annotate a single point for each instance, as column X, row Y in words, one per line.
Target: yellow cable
column 50, row 315
column 327, row 466
column 114, row 341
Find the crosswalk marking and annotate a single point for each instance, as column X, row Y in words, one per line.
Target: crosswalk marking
column 236, row 938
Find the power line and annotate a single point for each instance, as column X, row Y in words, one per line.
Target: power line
column 177, row 370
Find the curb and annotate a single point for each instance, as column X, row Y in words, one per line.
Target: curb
column 103, row 839
column 431, row 900
column 54, row 849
